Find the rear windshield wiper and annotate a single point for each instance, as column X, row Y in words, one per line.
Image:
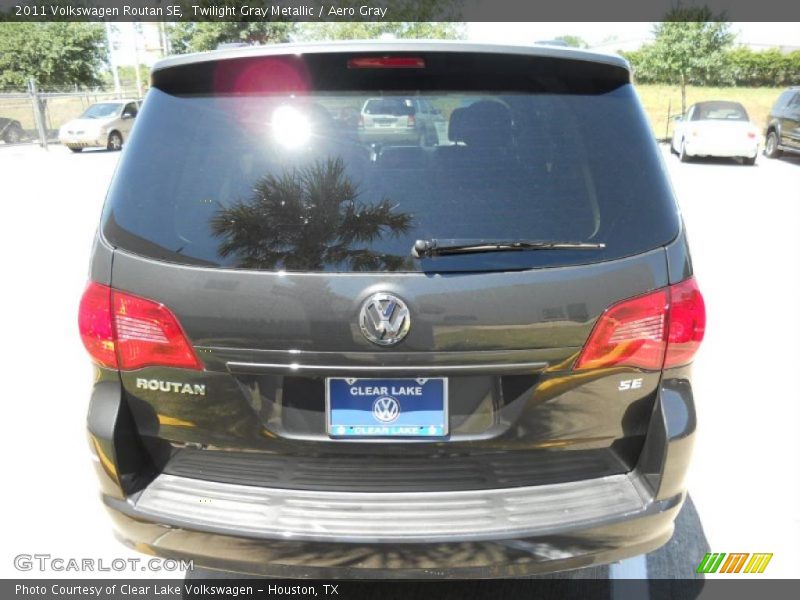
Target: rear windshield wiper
column 426, row 248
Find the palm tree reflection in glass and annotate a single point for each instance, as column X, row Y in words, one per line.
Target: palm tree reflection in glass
column 307, row 219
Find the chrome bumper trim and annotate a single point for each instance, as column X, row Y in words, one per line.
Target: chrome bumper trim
column 415, row 370
column 286, row 514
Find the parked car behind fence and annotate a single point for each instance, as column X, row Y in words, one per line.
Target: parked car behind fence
column 39, row 115
column 10, row 130
column 104, row 125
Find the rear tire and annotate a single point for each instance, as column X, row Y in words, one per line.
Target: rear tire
column 685, row 158
column 749, row 161
column 771, row 146
column 74, row 149
column 114, row 141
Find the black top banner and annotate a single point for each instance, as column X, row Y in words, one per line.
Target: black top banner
column 390, row 10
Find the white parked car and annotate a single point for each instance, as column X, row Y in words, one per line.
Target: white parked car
column 399, row 120
column 715, row 128
column 102, row 125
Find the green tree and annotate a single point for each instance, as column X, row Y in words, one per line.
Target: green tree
column 56, row 55
column 573, row 41
column 127, row 76
column 690, row 46
column 765, row 68
column 208, row 35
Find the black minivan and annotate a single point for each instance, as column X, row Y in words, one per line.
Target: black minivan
column 319, row 355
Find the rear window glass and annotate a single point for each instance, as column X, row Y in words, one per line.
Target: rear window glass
column 785, row 99
column 397, row 107
column 719, row 111
column 101, row 111
column 289, row 181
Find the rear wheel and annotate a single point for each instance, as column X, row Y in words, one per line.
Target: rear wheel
column 683, row 155
column 771, row 149
column 75, row 149
column 672, row 149
column 749, row 161
column 114, row 141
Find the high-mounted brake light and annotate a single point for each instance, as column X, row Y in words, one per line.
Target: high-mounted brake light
column 661, row 329
column 386, row 62
column 123, row 331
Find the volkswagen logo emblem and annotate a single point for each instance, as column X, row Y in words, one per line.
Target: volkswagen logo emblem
column 384, row 319
column 386, row 409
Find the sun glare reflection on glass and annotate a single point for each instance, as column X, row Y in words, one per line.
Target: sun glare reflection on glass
column 290, row 127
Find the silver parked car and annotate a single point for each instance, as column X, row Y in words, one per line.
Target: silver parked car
column 397, row 119
column 102, row 125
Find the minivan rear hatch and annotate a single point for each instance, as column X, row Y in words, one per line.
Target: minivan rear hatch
column 248, row 203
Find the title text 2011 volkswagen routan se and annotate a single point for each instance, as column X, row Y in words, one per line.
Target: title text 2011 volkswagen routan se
column 319, row 355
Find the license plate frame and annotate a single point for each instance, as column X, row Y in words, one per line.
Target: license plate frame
column 420, row 414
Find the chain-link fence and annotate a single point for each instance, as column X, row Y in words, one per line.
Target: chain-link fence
column 34, row 116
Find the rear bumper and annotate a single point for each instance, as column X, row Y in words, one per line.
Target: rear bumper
column 82, row 141
column 389, row 518
column 498, row 532
column 578, row 545
column 699, row 147
column 388, row 134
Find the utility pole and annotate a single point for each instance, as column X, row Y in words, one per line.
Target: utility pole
column 38, row 117
column 112, row 63
column 669, row 118
column 136, row 59
column 162, row 28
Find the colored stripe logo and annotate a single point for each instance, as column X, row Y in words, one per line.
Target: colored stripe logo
column 738, row 562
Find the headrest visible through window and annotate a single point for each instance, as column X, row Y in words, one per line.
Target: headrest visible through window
column 483, row 124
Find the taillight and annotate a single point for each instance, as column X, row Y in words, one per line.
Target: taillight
column 630, row 333
column 95, row 325
column 751, row 135
column 412, row 121
column 124, row 331
column 386, row 62
column 687, row 323
column 661, row 329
